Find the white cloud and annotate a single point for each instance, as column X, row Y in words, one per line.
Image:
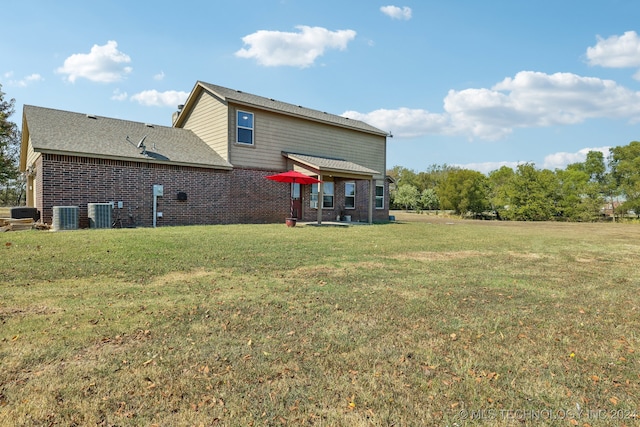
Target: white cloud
column 119, row 96
column 159, row 76
column 26, row 81
column 616, row 51
column 533, row 99
column 561, row 159
column 104, row 64
column 403, row 122
column 170, row 98
column 396, row 12
column 301, row 49
column 528, row 100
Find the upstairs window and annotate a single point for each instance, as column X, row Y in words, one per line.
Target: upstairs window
column 244, row 128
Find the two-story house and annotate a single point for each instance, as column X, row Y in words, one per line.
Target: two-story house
column 211, row 164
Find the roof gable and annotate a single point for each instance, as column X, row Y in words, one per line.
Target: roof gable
column 238, row 97
column 64, row 132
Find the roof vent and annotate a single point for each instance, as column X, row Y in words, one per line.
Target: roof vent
column 180, row 107
column 149, row 125
column 91, row 116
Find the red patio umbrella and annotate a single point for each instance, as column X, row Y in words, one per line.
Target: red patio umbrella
column 295, row 178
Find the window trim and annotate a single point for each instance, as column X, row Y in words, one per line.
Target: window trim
column 313, row 202
column 379, row 197
column 252, row 129
column 350, row 196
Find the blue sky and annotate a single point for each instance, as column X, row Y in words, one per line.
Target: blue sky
column 478, row 84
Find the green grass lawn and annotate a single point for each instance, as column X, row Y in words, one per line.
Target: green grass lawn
column 435, row 323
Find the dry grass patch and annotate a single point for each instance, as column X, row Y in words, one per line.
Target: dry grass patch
column 438, row 256
column 184, row 277
column 527, row 255
column 25, row 311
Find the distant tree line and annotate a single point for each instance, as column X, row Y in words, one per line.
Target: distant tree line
column 585, row 191
column 12, row 184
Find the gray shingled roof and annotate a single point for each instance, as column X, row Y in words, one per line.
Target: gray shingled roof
column 65, row 132
column 330, row 165
column 286, row 108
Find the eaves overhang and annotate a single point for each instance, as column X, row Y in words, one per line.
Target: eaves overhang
column 142, row 159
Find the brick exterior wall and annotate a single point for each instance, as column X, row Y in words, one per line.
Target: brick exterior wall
column 213, row 196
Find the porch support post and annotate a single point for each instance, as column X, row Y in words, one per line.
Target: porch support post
column 320, row 199
column 371, row 199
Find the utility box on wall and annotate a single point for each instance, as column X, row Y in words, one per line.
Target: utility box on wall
column 158, row 190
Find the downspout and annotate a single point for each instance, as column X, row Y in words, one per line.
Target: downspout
column 320, row 198
column 371, row 199
column 155, row 208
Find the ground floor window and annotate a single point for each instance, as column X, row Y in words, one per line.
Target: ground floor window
column 327, row 199
column 350, row 195
column 379, row 196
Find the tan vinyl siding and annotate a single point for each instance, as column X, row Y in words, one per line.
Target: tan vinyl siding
column 32, row 156
column 275, row 133
column 208, row 120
